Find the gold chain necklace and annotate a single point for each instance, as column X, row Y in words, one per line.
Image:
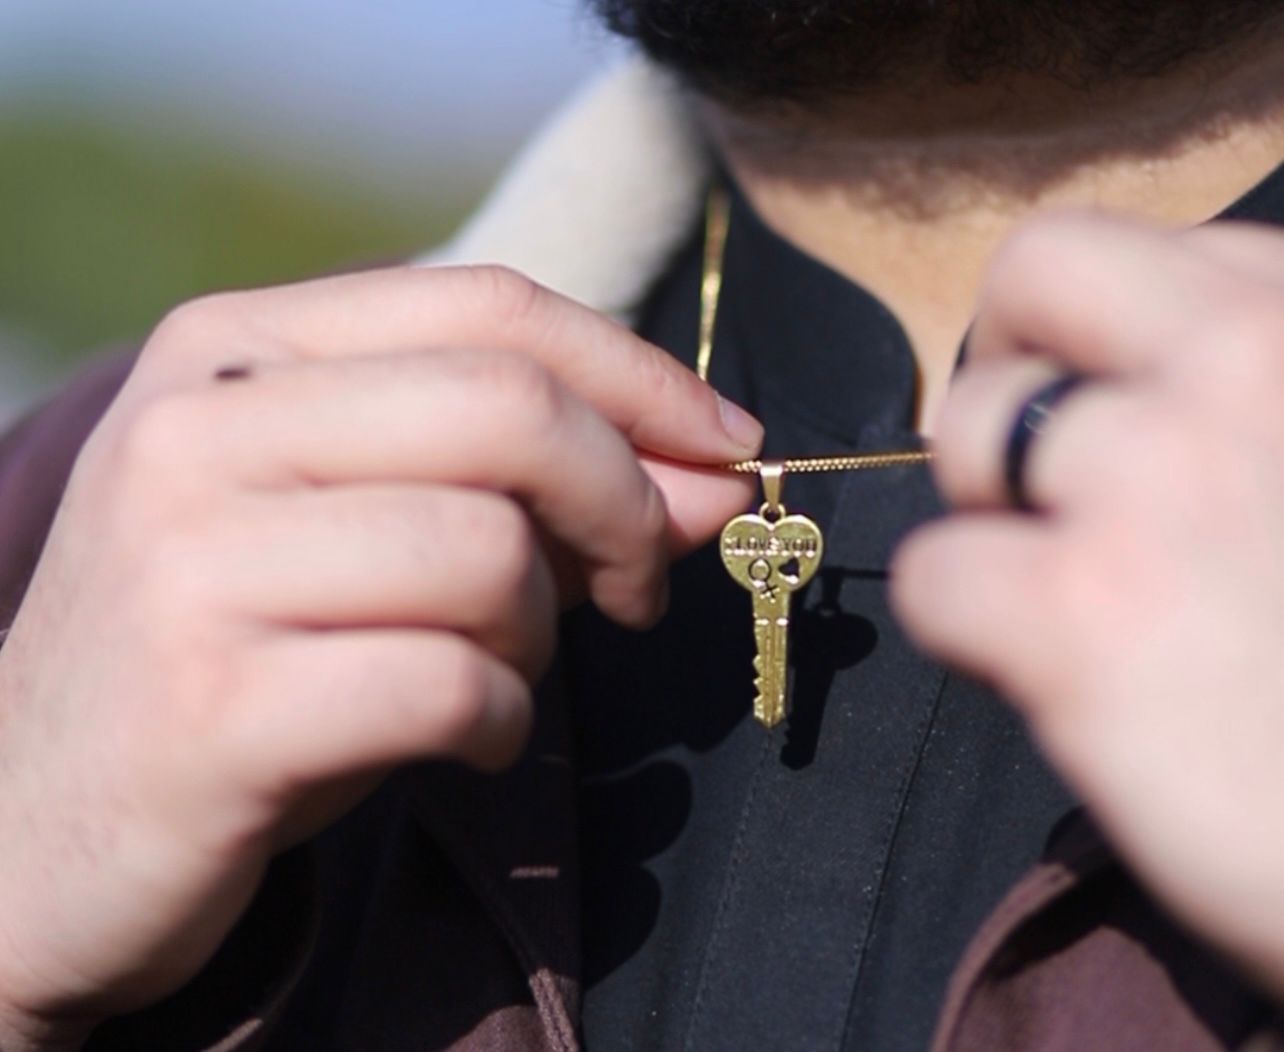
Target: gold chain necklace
column 771, row 554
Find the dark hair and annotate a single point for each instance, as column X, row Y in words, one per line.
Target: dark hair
column 797, row 50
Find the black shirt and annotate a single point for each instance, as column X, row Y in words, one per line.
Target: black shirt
column 810, row 888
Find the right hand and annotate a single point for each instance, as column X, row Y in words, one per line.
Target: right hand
column 260, row 595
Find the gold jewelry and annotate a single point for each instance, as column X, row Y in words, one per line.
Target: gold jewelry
column 771, row 554
column 851, row 462
column 716, row 226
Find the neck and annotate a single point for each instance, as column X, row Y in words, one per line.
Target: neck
column 908, row 190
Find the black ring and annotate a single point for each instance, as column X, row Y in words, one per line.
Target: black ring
column 1031, row 421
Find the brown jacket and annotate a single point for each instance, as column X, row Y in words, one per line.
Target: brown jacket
column 442, row 914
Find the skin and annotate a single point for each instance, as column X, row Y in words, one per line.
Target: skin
column 237, row 626
column 277, row 588
column 1136, row 622
column 911, row 193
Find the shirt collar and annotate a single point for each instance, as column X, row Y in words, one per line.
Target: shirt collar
column 824, row 351
column 815, row 345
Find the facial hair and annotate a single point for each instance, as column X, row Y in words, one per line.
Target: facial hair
column 750, row 52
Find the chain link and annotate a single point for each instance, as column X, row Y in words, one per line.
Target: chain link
column 717, row 221
column 853, row 462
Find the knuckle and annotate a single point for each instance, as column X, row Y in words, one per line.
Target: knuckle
column 1026, row 242
column 511, row 297
column 524, row 388
column 506, row 535
column 1026, row 253
column 1246, row 337
column 196, row 321
column 158, row 433
column 149, row 472
column 160, row 436
column 654, row 373
column 463, row 688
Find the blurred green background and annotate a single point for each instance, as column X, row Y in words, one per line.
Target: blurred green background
column 150, row 151
column 106, row 227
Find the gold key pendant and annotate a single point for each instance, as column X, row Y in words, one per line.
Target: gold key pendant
column 772, row 555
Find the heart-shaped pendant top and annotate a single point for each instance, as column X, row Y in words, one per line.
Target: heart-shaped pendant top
column 768, row 555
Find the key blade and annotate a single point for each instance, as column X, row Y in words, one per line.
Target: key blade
column 771, row 634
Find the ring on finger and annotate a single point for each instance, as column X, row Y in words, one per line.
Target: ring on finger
column 1031, row 421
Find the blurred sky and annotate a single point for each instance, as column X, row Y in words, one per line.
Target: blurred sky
column 406, row 98
column 397, row 80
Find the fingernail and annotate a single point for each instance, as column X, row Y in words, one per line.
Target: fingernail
column 744, row 429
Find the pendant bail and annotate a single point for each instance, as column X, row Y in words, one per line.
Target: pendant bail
column 772, row 474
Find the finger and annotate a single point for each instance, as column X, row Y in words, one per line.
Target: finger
column 701, row 501
column 975, row 426
column 1253, row 250
column 971, row 591
column 326, row 705
column 371, row 556
column 1236, row 362
column 657, row 402
column 1097, row 295
column 1101, row 442
column 485, row 420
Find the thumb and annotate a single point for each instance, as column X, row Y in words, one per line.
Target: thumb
column 701, row 500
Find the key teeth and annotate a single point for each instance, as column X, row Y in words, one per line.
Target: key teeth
column 769, row 715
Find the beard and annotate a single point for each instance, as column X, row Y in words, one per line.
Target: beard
column 753, row 52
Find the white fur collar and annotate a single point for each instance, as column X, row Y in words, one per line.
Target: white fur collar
column 600, row 200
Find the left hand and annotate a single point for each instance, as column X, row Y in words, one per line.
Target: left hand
column 1138, row 621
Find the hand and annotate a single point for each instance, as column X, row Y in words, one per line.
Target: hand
column 1137, row 621
column 259, row 595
